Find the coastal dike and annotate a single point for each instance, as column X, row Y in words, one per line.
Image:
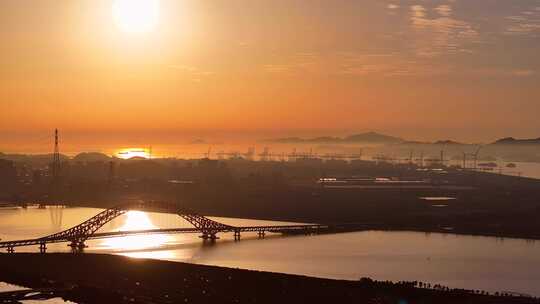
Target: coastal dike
column 98, row 278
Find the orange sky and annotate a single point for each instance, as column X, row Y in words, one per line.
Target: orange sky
column 251, row 69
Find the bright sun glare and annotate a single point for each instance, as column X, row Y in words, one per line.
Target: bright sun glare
column 136, row 220
column 133, row 152
column 136, row 16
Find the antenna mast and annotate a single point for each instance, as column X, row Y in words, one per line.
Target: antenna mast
column 56, row 159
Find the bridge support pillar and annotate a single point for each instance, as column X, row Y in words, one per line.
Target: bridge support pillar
column 10, row 250
column 209, row 236
column 237, row 235
column 42, row 248
column 81, row 246
column 262, row 234
column 77, row 246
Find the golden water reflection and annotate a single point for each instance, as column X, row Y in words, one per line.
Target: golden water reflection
column 136, row 220
column 484, row 263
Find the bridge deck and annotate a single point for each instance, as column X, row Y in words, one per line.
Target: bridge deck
column 88, row 229
column 113, row 234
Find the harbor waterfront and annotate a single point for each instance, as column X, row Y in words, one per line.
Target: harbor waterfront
column 458, row 261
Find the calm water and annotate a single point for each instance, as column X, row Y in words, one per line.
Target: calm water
column 525, row 169
column 4, row 287
column 457, row 261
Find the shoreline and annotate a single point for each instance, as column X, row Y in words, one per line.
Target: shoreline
column 103, row 278
column 400, row 228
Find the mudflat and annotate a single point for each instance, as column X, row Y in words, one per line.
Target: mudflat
column 101, row 278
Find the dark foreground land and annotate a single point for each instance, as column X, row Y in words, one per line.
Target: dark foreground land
column 92, row 278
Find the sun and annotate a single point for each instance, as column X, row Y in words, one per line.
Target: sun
column 133, row 153
column 136, row 16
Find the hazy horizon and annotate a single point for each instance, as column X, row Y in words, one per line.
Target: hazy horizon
column 197, row 147
column 174, row 143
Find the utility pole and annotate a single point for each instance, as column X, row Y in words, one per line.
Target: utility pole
column 55, row 168
column 442, row 157
column 442, row 154
column 476, row 158
column 56, row 159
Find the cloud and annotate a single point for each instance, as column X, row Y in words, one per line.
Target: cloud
column 357, row 64
column 300, row 61
column 278, row 68
column 387, row 65
column 497, row 72
column 441, row 35
column 444, row 10
column 418, row 12
column 523, row 73
column 196, row 74
column 420, row 42
column 525, row 24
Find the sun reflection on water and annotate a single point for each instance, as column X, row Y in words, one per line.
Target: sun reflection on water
column 136, row 220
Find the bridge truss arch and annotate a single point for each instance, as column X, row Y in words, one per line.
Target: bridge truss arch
column 78, row 234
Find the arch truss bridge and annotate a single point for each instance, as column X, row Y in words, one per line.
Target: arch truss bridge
column 208, row 228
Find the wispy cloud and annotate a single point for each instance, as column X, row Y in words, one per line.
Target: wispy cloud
column 194, row 73
column 523, row 73
column 427, row 38
column 442, row 34
column 444, row 10
column 526, row 23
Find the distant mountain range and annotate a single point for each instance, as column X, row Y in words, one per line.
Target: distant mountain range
column 439, row 142
column 514, row 141
column 377, row 138
column 369, row 137
column 91, row 157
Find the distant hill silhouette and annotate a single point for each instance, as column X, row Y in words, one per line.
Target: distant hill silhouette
column 198, row 141
column 137, row 158
column 373, row 137
column 447, row 142
column 91, row 157
column 415, row 142
column 514, row 141
column 369, row 137
column 287, row 140
column 32, row 157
